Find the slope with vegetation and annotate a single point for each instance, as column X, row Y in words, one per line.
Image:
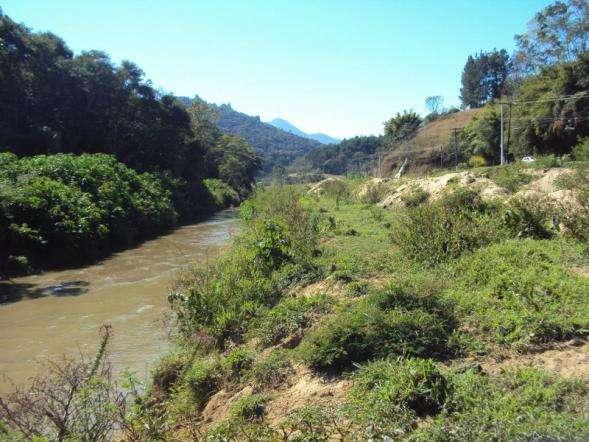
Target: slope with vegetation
column 332, row 317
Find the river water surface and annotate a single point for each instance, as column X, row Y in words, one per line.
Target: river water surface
column 55, row 313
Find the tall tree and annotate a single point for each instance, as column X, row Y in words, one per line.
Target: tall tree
column 484, row 78
column 558, row 33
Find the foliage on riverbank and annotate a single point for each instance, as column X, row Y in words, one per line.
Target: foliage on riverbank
column 67, row 209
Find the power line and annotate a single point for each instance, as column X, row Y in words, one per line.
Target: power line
column 547, row 100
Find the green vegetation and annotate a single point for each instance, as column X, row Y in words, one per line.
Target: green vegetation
column 66, row 209
column 520, row 293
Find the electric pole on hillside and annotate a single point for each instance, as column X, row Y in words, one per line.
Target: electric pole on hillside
column 456, row 148
column 502, row 156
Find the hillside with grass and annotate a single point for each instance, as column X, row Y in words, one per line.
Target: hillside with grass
column 427, row 308
column 431, row 146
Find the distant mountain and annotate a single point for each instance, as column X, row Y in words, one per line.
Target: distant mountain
column 286, row 126
column 275, row 146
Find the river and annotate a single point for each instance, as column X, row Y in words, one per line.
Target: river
column 60, row 312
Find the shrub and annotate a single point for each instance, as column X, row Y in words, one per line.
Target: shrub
column 357, row 288
column 519, row 293
column 525, row 404
column 477, row 161
column 511, row 177
column 391, row 322
column 288, row 317
column 531, row 216
column 237, row 362
column 222, row 193
column 249, row 408
column 388, row 395
column 415, row 198
column 581, row 149
column 458, row 222
column 59, row 209
column 202, row 379
column 273, row 370
column 168, row 371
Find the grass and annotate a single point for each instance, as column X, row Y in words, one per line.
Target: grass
column 520, row 293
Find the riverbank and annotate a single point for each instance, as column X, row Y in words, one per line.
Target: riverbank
column 337, row 316
column 60, row 312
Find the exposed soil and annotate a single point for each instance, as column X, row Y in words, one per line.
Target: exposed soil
column 569, row 359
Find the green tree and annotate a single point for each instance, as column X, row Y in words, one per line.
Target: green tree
column 402, row 126
column 556, row 34
column 483, row 78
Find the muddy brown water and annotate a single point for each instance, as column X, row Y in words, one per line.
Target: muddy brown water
column 60, row 312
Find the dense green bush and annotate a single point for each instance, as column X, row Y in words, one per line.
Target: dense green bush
column 249, row 408
column 394, row 321
column 520, row 293
column 63, row 208
column 445, row 229
column 511, row 177
column 202, row 380
column 273, row 370
column 581, row 149
column 526, row 404
column 288, row 317
column 389, row 395
column 222, row 193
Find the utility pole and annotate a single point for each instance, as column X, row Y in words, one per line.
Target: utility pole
column 456, row 148
column 502, row 156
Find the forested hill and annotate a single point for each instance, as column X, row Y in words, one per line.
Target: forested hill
column 275, row 146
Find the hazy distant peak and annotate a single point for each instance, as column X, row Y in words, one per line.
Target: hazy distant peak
column 287, row 127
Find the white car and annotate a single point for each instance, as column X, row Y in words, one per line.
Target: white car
column 528, row 160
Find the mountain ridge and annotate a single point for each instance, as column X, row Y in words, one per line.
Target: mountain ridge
column 286, row 126
column 277, row 147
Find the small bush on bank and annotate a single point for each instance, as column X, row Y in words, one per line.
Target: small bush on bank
column 391, row 322
column 273, row 370
column 250, row 408
column 581, row 150
column 202, row 379
column 390, row 395
column 288, row 317
column 416, row 197
column 510, row 177
column 531, row 216
column 237, row 363
column 518, row 292
column 525, row 404
column 459, row 222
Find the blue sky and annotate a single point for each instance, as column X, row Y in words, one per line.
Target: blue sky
column 340, row 67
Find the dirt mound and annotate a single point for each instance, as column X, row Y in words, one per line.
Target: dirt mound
column 437, row 186
column 569, row 359
column 328, row 185
column 307, row 389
